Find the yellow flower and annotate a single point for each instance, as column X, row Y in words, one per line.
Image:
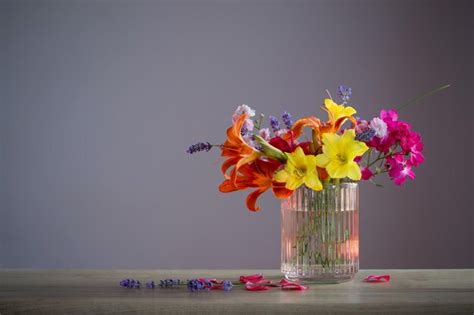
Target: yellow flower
column 299, row 169
column 339, row 153
column 337, row 111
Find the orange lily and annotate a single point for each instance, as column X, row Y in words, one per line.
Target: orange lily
column 237, row 151
column 258, row 174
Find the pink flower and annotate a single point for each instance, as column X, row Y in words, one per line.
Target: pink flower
column 414, row 146
column 401, row 132
column 362, row 126
column 399, row 169
column 382, row 144
column 366, row 173
column 264, row 133
column 389, row 116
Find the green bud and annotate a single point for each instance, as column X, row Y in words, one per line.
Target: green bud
column 270, row 150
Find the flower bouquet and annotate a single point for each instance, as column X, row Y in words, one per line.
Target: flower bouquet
column 316, row 175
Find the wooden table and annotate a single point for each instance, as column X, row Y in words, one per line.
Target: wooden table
column 97, row 291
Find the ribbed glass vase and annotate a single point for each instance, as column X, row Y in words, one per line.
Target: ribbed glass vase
column 320, row 234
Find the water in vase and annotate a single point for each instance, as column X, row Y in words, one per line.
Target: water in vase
column 320, row 234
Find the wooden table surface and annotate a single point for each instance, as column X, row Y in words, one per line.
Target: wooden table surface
column 97, row 291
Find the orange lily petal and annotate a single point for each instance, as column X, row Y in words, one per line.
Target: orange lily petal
column 227, row 164
column 298, row 126
column 252, row 199
column 227, row 186
column 280, row 191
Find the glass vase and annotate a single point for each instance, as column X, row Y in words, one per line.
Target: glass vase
column 320, row 234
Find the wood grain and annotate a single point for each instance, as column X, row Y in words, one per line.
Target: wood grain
column 97, row 291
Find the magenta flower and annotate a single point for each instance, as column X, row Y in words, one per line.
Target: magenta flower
column 413, row 145
column 366, row 173
column 389, row 116
column 399, row 169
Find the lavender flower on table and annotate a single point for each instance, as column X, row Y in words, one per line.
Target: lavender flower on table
column 344, row 93
column 274, row 123
column 130, row 283
column 227, row 285
column 196, row 285
column 286, row 117
column 167, row 283
column 198, row 147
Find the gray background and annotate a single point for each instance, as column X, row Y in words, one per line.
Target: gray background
column 100, row 99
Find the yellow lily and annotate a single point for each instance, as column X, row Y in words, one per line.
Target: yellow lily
column 299, row 169
column 336, row 111
column 339, row 153
column 338, row 115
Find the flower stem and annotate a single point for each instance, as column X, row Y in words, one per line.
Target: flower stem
column 419, row 98
column 379, row 157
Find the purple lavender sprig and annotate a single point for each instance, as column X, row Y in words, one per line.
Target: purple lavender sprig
column 227, row 285
column 197, row 285
column 274, row 123
column 286, row 117
column 167, row 283
column 198, row 147
column 366, row 135
column 193, row 285
column 344, row 93
column 130, row 283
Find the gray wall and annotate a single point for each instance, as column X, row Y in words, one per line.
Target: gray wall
column 100, row 99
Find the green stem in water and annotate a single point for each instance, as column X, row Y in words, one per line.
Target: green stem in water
column 419, row 98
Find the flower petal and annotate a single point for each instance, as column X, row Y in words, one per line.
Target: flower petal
column 353, row 171
column 312, row 181
column 291, row 285
column 293, row 182
column 281, row 176
column 377, row 278
column 322, row 160
column 252, row 199
column 251, row 278
column 280, row 191
column 250, row 286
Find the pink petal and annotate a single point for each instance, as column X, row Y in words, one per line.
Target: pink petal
column 251, row 278
column 377, row 278
column 290, row 285
column 250, row 286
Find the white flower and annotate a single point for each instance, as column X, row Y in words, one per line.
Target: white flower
column 243, row 109
column 379, row 126
column 264, row 133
